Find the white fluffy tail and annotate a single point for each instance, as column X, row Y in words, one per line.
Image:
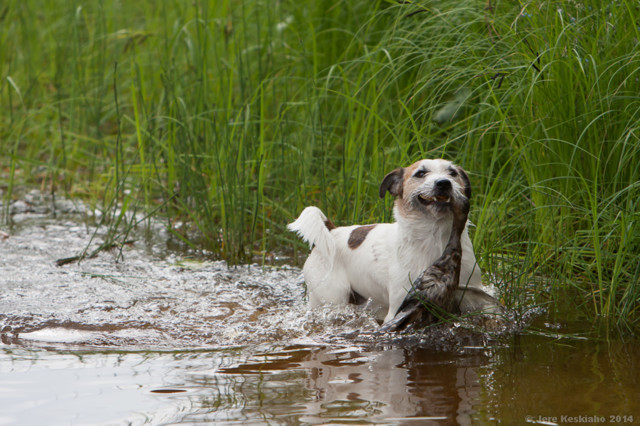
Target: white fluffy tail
column 312, row 226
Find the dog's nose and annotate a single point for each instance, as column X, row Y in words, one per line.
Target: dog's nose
column 443, row 184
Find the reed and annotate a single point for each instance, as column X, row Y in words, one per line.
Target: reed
column 226, row 118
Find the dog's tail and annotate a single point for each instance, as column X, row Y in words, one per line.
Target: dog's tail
column 314, row 228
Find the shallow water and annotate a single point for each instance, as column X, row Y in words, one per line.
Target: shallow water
column 159, row 339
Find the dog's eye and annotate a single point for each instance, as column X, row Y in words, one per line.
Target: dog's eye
column 453, row 173
column 420, row 174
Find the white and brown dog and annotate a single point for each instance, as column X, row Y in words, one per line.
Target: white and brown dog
column 379, row 262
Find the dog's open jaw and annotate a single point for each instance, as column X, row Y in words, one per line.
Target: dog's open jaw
column 428, row 199
column 432, row 200
column 434, row 203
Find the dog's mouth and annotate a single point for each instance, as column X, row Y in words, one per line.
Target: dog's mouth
column 429, row 199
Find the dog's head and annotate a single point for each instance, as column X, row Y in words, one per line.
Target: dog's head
column 426, row 187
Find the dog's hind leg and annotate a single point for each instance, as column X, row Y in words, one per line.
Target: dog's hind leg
column 325, row 285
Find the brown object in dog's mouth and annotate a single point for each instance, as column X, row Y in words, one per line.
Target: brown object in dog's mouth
column 425, row 199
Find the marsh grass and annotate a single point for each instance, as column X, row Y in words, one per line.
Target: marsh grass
column 227, row 118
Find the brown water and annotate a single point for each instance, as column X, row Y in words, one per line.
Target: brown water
column 158, row 339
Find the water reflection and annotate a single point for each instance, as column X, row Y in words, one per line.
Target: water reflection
column 532, row 379
column 293, row 384
column 39, row 387
column 540, row 379
column 390, row 385
column 327, row 384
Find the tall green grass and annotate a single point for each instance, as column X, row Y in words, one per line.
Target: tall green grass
column 227, row 118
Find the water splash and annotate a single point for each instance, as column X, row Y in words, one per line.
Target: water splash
column 157, row 301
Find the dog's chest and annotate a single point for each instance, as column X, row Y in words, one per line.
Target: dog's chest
column 419, row 248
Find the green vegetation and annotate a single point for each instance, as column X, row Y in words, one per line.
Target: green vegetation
column 228, row 117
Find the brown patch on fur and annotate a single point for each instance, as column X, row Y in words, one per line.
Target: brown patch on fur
column 404, row 205
column 330, row 226
column 358, row 236
column 409, row 170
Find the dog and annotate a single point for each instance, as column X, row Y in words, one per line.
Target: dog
column 378, row 262
column 433, row 293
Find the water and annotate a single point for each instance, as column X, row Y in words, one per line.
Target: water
column 157, row 338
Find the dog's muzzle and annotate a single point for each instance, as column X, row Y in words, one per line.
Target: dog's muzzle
column 440, row 195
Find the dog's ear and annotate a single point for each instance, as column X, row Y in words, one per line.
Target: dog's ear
column 392, row 182
column 467, row 182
